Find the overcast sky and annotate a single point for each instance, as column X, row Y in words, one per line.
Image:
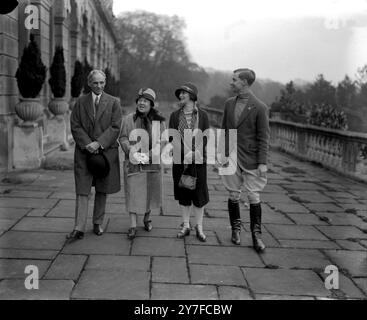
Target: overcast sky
column 280, row 39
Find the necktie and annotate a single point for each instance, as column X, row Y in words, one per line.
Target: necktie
column 96, row 103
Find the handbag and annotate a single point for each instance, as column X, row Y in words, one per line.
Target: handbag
column 188, row 181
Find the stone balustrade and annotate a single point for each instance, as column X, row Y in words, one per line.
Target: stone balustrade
column 341, row 151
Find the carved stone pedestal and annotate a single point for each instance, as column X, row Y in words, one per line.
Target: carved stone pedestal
column 56, row 130
column 28, row 147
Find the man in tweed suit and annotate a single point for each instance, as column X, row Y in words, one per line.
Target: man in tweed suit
column 249, row 116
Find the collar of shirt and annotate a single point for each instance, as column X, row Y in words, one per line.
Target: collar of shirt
column 96, row 97
column 243, row 96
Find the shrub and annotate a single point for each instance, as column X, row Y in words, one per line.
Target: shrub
column 325, row 115
column 31, row 73
column 77, row 80
column 58, row 73
column 87, row 68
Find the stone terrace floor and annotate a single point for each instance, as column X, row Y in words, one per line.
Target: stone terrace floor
column 312, row 218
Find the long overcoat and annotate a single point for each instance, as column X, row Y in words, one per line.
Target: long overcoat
column 105, row 129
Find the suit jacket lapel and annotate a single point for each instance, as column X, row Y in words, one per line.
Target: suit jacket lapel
column 250, row 107
column 89, row 107
column 101, row 106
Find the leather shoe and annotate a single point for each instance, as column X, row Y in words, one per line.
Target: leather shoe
column 131, row 234
column 97, row 229
column 75, row 235
column 148, row 225
column 183, row 233
column 200, row 234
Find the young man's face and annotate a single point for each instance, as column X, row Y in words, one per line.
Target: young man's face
column 97, row 83
column 237, row 85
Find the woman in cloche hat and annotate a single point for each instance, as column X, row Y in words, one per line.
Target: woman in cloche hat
column 190, row 116
column 142, row 178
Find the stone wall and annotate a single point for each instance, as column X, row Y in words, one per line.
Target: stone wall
column 83, row 27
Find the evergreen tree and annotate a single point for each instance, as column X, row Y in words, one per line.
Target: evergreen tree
column 31, row 73
column 58, row 74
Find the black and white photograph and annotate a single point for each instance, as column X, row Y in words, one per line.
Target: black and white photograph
column 197, row 153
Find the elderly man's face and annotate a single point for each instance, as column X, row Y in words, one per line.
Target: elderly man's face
column 237, row 85
column 97, row 83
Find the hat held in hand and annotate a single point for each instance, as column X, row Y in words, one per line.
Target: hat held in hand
column 98, row 164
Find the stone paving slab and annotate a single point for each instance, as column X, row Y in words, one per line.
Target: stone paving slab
column 169, row 270
column 310, row 244
column 218, row 275
column 342, row 218
column 25, row 194
column 350, row 245
column 295, row 258
column 38, row 212
column 66, row 212
column 110, row 262
column 158, row 247
column 48, row 290
column 275, row 198
column 233, row 293
column 306, row 219
column 114, row 284
column 342, row 232
column 347, row 287
column 45, row 224
column 6, row 224
column 63, row 195
column 362, row 284
column 162, row 291
column 311, row 197
column 282, row 232
column 355, row 262
column 28, row 254
column 324, row 207
column 27, row 203
column 285, row 282
column 32, row 240
column 282, row 297
column 66, row 267
column 106, row 244
column 348, row 206
column 289, row 207
column 12, row 213
column 233, row 256
column 14, row 268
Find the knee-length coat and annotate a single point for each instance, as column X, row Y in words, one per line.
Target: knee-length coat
column 105, row 129
column 143, row 185
column 200, row 196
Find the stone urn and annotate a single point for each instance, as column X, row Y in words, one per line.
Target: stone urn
column 58, row 106
column 29, row 110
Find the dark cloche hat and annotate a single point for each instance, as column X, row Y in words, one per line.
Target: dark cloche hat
column 188, row 87
column 98, row 164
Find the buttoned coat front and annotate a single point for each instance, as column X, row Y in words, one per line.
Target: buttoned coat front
column 104, row 128
column 253, row 131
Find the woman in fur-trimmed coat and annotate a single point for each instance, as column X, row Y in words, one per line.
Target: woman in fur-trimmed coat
column 142, row 178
